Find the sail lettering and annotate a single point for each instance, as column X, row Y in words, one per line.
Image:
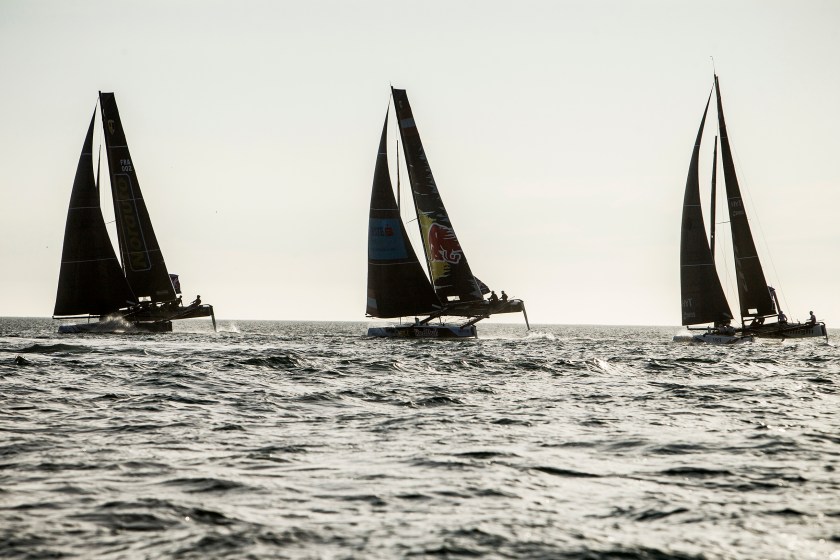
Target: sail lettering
column 137, row 256
column 384, row 241
column 736, row 207
column 688, row 308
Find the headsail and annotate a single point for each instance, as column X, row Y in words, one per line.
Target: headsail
column 142, row 259
column 91, row 280
column 451, row 276
column 703, row 300
column 397, row 285
column 753, row 294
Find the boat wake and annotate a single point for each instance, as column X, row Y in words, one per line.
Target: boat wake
column 540, row 335
column 111, row 325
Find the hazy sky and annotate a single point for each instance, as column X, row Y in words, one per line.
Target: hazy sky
column 559, row 133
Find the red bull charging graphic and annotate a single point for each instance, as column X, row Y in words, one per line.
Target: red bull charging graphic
column 443, row 251
column 443, row 245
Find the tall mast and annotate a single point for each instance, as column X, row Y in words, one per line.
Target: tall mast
column 714, row 187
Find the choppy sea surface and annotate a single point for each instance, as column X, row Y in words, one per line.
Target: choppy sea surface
column 310, row 440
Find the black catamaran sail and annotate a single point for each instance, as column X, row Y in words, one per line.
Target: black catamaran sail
column 448, row 268
column 92, row 282
column 397, row 286
column 703, row 299
column 145, row 268
column 91, row 279
column 753, row 294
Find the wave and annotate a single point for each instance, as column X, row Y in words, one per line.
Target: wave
column 555, row 471
column 56, row 349
column 204, row 484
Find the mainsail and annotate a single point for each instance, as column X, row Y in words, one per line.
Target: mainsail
column 142, row 259
column 451, row 276
column 753, row 294
column 397, row 285
column 703, row 300
column 91, row 280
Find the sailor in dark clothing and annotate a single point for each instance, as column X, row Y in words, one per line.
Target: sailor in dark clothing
column 493, row 297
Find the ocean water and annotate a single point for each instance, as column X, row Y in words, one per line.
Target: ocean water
column 309, row 440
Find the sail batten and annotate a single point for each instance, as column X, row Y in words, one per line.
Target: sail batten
column 753, row 293
column 703, row 299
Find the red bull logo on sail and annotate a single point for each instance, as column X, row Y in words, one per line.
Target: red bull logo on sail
column 443, row 245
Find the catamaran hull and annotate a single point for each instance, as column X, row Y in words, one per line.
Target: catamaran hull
column 164, row 313
column 712, row 338
column 117, row 326
column 796, row 330
column 153, row 319
column 424, row 331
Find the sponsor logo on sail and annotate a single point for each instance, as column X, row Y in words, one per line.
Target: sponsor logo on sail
column 443, row 245
column 384, row 243
column 736, row 206
column 688, row 308
column 137, row 255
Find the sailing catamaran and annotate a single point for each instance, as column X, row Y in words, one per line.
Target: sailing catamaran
column 397, row 286
column 92, row 283
column 703, row 298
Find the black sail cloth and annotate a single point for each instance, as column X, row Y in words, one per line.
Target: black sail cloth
column 450, row 273
column 397, row 285
column 753, row 294
column 703, row 299
column 91, row 280
column 145, row 268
